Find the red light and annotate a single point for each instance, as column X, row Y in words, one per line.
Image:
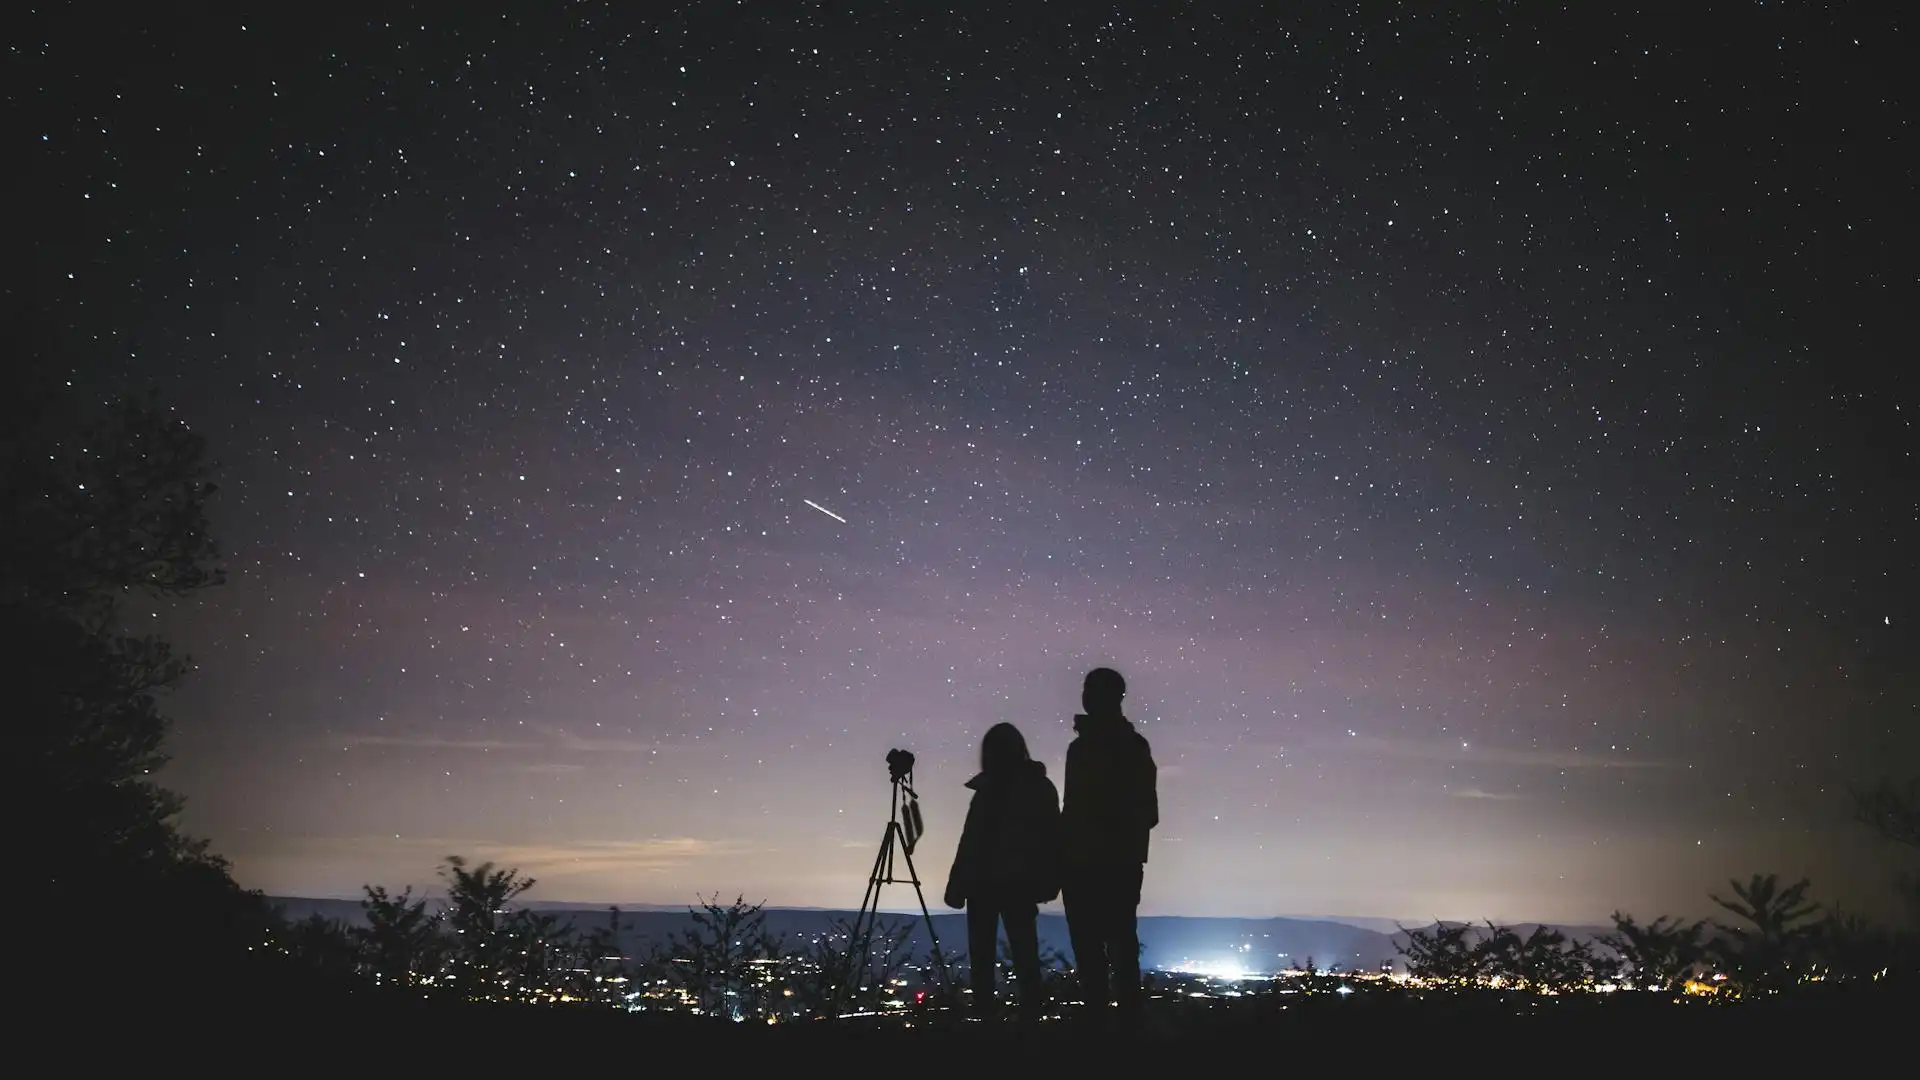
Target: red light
column 920, row 997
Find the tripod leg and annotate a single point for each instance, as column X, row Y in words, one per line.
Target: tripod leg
column 860, row 934
column 939, row 959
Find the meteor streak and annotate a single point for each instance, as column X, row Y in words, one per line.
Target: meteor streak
column 825, row 511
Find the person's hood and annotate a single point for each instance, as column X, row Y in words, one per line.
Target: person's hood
column 1117, row 724
column 1031, row 770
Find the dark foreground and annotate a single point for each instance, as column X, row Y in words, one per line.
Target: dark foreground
column 1366, row 1031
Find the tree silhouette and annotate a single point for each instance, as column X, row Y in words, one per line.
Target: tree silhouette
column 1442, row 955
column 872, row 976
column 1056, row 972
column 324, row 947
column 1545, row 960
column 1660, row 955
column 486, row 943
column 402, row 943
column 98, row 507
column 819, row 971
column 542, row 958
column 1313, row 979
column 1850, row 949
column 815, row 973
column 1893, row 811
column 1765, row 951
column 1309, row 975
column 725, row 962
column 479, row 947
column 604, row 957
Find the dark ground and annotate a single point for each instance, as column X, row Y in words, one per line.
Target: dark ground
column 1366, row 1032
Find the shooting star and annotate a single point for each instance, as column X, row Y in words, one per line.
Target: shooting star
column 825, row 511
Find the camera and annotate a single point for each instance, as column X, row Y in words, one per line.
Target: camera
column 899, row 765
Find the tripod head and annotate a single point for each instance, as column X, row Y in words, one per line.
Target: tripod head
column 906, row 804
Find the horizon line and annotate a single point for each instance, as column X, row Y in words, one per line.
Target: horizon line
column 635, row 905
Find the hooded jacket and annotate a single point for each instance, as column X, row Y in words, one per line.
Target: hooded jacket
column 1009, row 847
column 1112, row 801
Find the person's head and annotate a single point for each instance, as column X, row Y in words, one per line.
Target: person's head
column 1003, row 748
column 1103, row 691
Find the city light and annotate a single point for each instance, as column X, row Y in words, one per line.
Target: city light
column 1222, row 970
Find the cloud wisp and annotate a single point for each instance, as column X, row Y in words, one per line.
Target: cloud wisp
column 434, row 742
column 1471, row 754
column 537, row 859
column 602, row 856
column 542, row 740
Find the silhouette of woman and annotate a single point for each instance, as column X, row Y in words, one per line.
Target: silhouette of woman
column 1007, row 865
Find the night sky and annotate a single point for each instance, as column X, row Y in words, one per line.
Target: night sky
column 1484, row 441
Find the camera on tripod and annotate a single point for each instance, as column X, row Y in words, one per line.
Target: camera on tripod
column 904, row 827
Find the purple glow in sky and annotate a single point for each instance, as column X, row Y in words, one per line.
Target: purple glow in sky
column 1479, row 437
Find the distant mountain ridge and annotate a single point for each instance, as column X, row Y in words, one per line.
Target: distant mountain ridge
column 1171, row 942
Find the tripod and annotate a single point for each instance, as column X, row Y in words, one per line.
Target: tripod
column 904, row 827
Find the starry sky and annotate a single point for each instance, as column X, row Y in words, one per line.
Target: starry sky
column 1480, row 438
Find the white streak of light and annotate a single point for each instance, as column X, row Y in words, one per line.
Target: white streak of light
column 825, row 511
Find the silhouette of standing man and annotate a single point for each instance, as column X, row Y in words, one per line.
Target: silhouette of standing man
column 1110, row 805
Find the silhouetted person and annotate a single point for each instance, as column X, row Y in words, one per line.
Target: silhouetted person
column 1007, row 865
column 1111, row 805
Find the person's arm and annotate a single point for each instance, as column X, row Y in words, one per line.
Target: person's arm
column 1150, row 785
column 1069, row 785
column 1049, row 846
column 965, row 858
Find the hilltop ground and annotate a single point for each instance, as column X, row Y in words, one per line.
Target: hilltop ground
column 1366, row 1032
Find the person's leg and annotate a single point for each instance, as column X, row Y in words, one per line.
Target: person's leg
column 983, row 949
column 1087, row 934
column 1123, row 940
column 1023, row 941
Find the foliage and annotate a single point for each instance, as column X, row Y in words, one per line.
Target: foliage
column 1545, row 960
column 1442, row 955
column 1313, row 979
column 325, row 946
column 402, row 943
column 1893, row 811
column 1780, row 942
column 871, row 970
column 609, row 974
column 1459, row 955
column 101, row 506
column 886, row 954
column 818, row 969
column 826, row 979
column 1850, row 949
column 1660, row 955
column 725, row 963
column 499, row 952
column 1056, row 972
column 474, row 947
column 1774, row 936
column 96, row 507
